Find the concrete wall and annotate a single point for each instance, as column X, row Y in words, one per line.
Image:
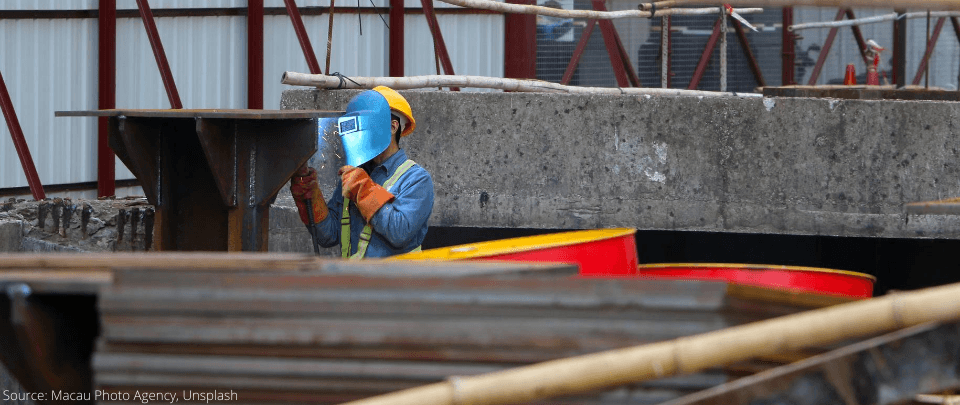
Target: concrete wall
column 783, row 166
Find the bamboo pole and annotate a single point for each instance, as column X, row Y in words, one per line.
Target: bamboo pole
column 520, row 85
column 690, row 354
column 914, row 4
column 591, row 14
column 871, row 20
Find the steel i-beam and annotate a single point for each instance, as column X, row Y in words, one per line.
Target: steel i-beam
column 211, row 174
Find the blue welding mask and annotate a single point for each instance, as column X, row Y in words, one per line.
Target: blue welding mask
column 365, row 128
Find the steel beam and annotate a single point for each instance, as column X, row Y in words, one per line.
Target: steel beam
column 106, row 94
column 154, row 36
column 397, row 13
column 889, row 369
column 578, row 53
column 900, row 51
column 858, row 36
column 19, row 142
column 254, row 54
column 212, row 174
column 748, row 53
column 439, row 47
column 302, row 36
column 930, row 47
column 520, row 47
column 622, row 67
column 705, row 57
column 789, row 54
column 825, row 51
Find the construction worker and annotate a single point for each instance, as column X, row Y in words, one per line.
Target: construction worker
column 383, row 200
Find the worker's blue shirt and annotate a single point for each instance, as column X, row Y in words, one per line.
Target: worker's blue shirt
column 399, row 226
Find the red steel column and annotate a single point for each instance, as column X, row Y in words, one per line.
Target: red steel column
column 255, row 54
column 520, row 47
column 106, row 95
column 705, row 57
column 788, row 68
column 396, row 38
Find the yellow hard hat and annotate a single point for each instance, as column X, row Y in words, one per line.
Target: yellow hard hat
column 399, row 105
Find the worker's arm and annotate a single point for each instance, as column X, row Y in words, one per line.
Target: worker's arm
column 400, row 220
column 328, row 230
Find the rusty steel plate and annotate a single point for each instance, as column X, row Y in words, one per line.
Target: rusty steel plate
column 949, row 206
column 203, row 113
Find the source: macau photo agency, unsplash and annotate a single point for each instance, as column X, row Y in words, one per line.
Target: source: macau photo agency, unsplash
column 144, row 397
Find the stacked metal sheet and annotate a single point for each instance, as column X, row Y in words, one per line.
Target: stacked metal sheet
column 348, row 330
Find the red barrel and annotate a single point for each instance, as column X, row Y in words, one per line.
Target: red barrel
column 805, row 279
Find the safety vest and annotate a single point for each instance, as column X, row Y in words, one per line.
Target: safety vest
column 367, row 232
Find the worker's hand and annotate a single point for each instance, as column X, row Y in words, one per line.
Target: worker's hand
column 303, row 171
column 360, row 188
column 303, row 187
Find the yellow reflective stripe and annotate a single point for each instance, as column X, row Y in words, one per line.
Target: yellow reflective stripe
column 367, row 233
column 396, row 175
column 345, row 229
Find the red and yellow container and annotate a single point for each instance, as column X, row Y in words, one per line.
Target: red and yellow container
column 805, row 279
column 610, row 252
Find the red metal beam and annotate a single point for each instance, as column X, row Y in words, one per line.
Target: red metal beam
column 615, row 49
column 19, row 142
column 745, row 44
column 255, row 54
column 147, row 16
column 438, row 45
column 825, row 50
column 705, row 57
column 520, row 46
column 578, row 53
column 106, row 95
column 900, row 51
column 930, row 45
column 858, row 35
column 302, row 36
column 788, row 68
column 396, row 38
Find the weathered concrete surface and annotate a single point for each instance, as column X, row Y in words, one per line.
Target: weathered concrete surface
column 775, row 165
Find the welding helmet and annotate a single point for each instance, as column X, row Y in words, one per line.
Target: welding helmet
column 399, row 107
column 365, row 128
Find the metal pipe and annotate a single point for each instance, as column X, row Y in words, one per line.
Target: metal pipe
column 392, row 33
column 302, row 36
column 106, row 94
column 723, row 51
column 900, row 51
column 419, row 82
column 154, row 36
column 664, row 51
column 871, row 20
column 599, row 15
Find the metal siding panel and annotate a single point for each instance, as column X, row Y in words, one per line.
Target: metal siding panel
column 352, row 54
column 47, row 69
column 475, row 44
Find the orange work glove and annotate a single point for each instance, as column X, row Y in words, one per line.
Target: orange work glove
column 360, row 188
column 303, row 186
